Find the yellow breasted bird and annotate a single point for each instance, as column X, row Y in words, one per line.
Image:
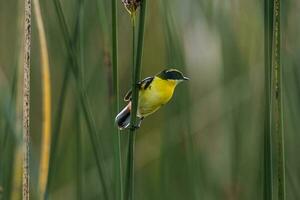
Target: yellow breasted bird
column 154, row 92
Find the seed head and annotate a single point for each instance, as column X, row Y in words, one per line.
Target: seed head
column 131, row 5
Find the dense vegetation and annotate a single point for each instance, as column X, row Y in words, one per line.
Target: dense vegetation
column 231, row 132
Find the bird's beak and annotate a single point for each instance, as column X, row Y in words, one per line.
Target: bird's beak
column 186, row 78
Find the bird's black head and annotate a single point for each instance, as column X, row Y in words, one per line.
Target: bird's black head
column 172, row 74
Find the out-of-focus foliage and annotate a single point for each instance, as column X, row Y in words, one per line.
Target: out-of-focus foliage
column 207, row 143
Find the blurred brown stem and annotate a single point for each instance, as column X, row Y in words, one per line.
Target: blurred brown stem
column 26, row 97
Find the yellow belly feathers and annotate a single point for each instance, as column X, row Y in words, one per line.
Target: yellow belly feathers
column 157, row 94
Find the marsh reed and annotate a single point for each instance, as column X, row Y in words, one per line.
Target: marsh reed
column 116, row 103
column 135, row 77
column 26, row 98
column 278, row 99
column 268, row 147
column 200, row 145
column 274, row 131
column 82, row 95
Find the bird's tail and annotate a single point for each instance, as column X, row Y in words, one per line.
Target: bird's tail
column 123, row 118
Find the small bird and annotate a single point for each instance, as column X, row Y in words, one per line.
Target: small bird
column 154, row 92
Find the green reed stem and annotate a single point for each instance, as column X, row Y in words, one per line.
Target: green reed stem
column 79, row 168
column 278, row 118
column 268, row 154
column 136, row 71
column 117, row 141
column 56, row 130
column 78, row 146
column 129, row 190
column 82, row 96
column 273, row 113
column 59, row 113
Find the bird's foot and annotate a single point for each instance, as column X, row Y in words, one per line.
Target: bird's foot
column 135, row 127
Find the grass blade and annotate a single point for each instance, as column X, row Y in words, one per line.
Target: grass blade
column 268, row 154
column 82, row 96
column 59, row 114
column 274, row 112
column 278, row 114
column 46, row 89
column 79, row 149
column 79, row 168
column 117, row 142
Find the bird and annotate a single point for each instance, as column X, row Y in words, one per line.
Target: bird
column 154, row 92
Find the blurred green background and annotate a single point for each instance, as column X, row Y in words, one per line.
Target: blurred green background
column 207, row 143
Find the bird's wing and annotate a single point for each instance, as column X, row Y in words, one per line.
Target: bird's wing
column 144, row 84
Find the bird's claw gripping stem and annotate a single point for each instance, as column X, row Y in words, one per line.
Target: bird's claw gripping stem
column 137, row 126
column 134, row 127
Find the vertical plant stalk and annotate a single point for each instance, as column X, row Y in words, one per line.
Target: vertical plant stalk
column 129, row 190
column 59, row 113
column 79, row 169
column 136, row 71
column 277, row 70
column 117, row 145
column 78, row 150
column 268, row 154
column 46, row 100
column 91, row 125
column 26, row 98
column 56, row 129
